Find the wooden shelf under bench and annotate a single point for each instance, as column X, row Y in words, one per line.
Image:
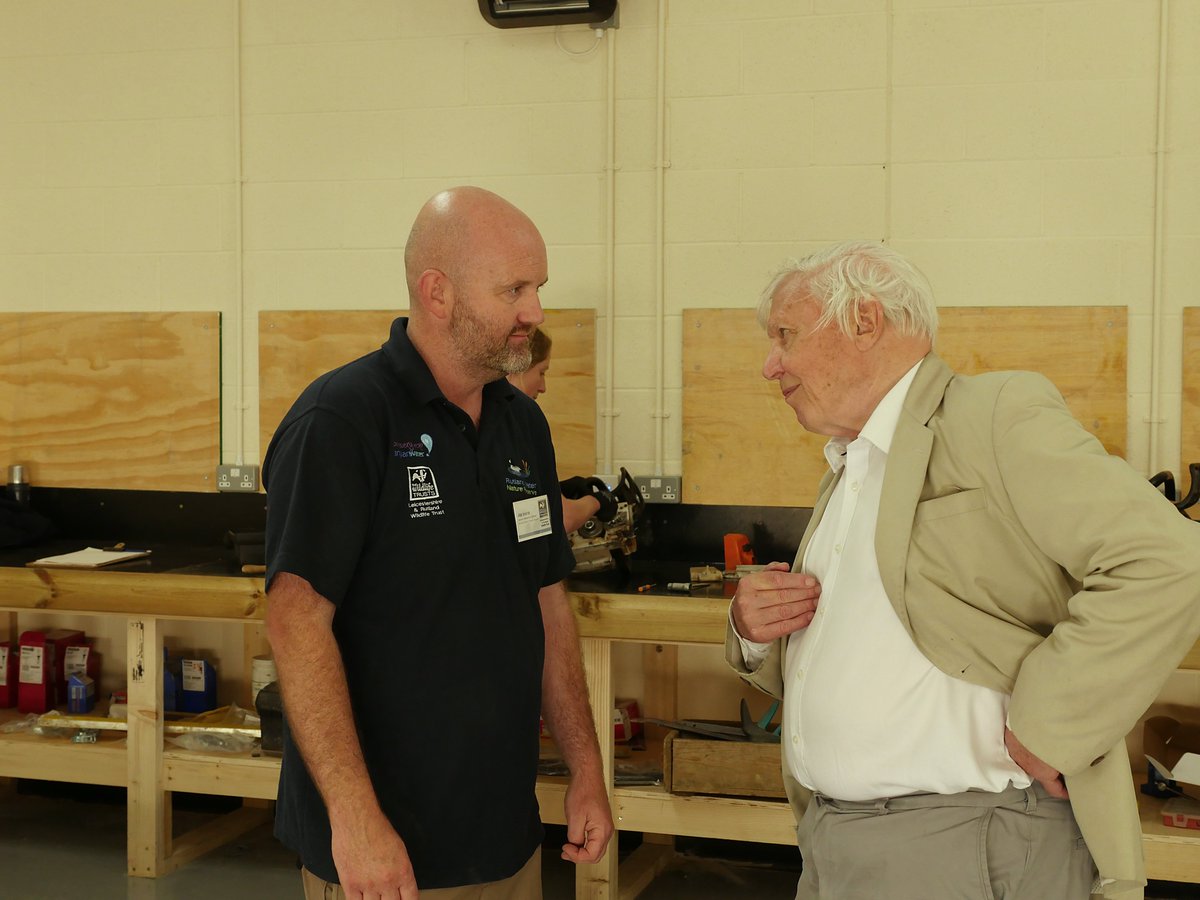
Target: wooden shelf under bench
column 151, row 770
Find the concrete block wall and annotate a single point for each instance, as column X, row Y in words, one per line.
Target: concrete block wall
column 1011, row 148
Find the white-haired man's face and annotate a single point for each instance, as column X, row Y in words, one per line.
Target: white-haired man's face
column 820, row 370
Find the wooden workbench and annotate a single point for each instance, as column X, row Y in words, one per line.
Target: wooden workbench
column 147, row 600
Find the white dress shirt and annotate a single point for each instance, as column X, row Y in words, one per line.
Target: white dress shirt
column 865, row 714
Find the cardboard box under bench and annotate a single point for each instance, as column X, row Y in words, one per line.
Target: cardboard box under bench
column 693, row 764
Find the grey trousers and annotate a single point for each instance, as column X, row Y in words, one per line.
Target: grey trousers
column 1018, row 844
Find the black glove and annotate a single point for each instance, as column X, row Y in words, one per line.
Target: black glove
column 575, row 488
column 578, row 487
column 608, row 506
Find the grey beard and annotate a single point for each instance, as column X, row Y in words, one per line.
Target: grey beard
column 469, row 340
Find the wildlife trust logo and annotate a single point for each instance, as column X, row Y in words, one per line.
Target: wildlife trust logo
column 421, row 483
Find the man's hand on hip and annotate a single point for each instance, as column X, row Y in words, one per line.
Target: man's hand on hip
column 1041, row 772
column 774, row 602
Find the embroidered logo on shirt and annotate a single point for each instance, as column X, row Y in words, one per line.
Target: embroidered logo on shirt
column 518, row 479
column 423, row 497
column 421, row 483
column 421, row 448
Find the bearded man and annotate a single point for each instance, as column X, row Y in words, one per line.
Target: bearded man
column 416, row 553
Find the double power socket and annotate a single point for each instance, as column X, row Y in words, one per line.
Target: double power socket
column 237, row 478
column 654, row 488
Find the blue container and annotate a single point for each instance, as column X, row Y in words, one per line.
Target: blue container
column 81, row 694
column 198, row 684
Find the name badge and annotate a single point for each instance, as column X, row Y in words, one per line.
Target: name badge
column 532, row 516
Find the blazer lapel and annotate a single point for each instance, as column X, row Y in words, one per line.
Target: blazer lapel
column 904, row 478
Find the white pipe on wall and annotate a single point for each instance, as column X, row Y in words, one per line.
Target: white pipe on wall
column 1155, row 419
column 239, row 305
column 888, row 15
column 607, row 465
column 660, row 165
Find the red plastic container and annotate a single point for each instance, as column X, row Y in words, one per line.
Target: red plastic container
column 35, row 687
column 61, row 638
column 9, row 656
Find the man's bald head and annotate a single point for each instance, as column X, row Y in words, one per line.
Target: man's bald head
column 452, row 226
column 474, row 264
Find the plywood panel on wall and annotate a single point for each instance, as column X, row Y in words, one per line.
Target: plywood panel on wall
column 112, row 400
column 743, row 446
column 570, row 398
column 1190, row 437
column 294, row 347
column 1082, row 349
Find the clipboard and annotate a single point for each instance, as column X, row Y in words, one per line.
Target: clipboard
column 87, row 558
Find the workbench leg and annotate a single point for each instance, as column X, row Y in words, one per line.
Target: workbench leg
column 147, row 815
column 660, row 699
column 254, row 643
column 599, row 881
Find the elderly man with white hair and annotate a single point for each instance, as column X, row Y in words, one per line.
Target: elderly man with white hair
column 983, row 605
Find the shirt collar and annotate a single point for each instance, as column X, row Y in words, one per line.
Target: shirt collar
column 880, row 427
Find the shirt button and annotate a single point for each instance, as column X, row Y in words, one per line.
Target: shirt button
column 837, row 548
column 799, row 674
column 796, row 739
column 854, row 485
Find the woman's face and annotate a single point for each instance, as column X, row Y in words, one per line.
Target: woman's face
column 533, row 380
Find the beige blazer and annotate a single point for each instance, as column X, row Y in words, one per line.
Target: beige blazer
column 1022, row 557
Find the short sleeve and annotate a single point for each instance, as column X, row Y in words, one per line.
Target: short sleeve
column 322, row 485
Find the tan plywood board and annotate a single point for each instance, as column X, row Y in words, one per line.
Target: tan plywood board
column 1082, row 349
column 294, row 347
column 743, row 446
column 112, row 400
column 570, row 399
column 1190, row 437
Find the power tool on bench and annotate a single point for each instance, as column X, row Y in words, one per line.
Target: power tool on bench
column 598, row 544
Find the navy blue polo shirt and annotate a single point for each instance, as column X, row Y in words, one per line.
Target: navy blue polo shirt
column 383, row 496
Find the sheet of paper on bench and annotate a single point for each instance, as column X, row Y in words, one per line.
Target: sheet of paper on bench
column 88, row 558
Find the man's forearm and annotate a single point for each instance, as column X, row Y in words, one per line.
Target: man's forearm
column 316, row 699
column 564, row 690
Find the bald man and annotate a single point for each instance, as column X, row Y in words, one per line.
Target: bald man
column 417, row 613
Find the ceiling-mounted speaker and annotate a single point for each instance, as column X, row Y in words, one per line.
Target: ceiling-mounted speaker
column 528, row 13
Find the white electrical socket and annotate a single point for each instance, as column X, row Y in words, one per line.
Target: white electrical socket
column 237, row 478
column 660, row 488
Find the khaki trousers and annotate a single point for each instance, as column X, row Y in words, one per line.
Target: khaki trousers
column 1018, row 844
column 525, row 885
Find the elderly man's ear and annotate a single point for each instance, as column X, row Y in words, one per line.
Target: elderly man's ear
column 868, row 323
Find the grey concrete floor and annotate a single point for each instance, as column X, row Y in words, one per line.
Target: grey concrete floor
column 67, row 847
column 60, row 847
